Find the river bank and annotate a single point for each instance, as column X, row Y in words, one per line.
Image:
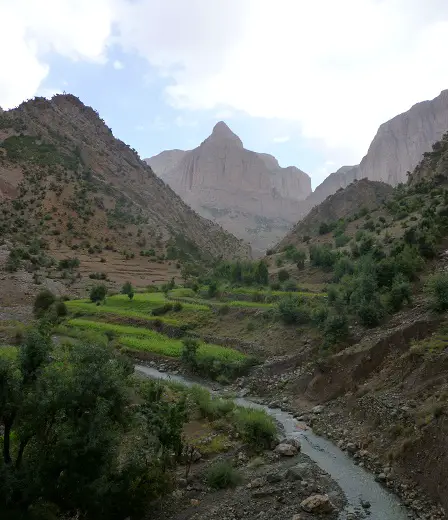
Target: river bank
column 365, row 496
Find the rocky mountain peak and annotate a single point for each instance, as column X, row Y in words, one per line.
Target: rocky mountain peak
column 222, row 133
column 246, row 192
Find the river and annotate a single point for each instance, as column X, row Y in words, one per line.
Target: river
column 356, row 483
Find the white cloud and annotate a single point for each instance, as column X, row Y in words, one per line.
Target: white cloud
column 336, row 70
column 118, row 65
column 76, row 29
column 282, row 139
column 182, row 121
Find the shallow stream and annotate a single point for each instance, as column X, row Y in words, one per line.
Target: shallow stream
column 356, row 483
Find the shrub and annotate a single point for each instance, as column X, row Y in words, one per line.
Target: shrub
column 177, row 307
column 222, row 474
column 256, row 427
column 61, row 309
column 68, row 263
column 319, row 315
column 128, row 290
column 437, row 288
column 283, row 275
column 335, row 328
column 162, row 309
column 289, row 309
column 44, row 300
column 223, row 310
column 342, row 267
column 98, row 276
column 323, row 256
column 370, row 313
column 212, row 290
column 98, row 293
column 189, row 352
column 400, row 292
column 341, row 240
column 290, row 286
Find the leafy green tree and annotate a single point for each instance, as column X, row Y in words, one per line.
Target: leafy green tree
column 98, row 293
column 128, row 290
column 437, row 287
column 189, row 352
column 44, row 300
column 78, row 444
column 261, row 273
column 400, row 293
column 283, row 275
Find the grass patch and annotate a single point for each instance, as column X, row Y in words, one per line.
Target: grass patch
column 9, row 352
column 222, row 475
column 89, row 308
column 138, row 338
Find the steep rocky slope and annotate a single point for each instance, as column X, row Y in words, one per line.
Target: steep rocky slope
column 67, row 184
column 396, row 149
column 247, row 193
column 345, row 203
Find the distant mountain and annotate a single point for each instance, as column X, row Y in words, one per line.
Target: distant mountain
column 396, row 149
column 247, row 193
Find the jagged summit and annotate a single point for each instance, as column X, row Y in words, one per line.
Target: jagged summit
column 247, row 192
column 222, row 134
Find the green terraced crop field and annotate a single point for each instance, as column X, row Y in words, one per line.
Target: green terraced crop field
column 8, row 352
column 87, row 307
column 138, row 338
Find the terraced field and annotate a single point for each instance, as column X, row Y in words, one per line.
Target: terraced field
column 141, row 339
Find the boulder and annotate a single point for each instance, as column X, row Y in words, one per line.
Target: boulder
column 302, row 471
column 317, row 504
column 292, row 441
column 286, row 450
column 318, row 409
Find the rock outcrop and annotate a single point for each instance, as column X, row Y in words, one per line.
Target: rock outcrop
column 396, row 149
column 247, row 193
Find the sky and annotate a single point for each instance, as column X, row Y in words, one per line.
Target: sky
column 307, row 81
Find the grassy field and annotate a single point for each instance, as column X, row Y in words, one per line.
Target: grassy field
column 8, row 352
column 268, row 293
column 138, row 338
column 89, row 308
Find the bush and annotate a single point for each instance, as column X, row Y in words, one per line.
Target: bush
column 437, row 287
column 291, row 310
column 212, row 290
column 128, row 290
column 341, row 240
column 342, row 267
column 323, row 256
column 370, row 313
column 44, row 300
column 68, row 263
column 283, row 275
column 98, row 293
column 222, row 475
column 177, row 307
column 163, row 309
column 256, row 427
column 61, row 309
column 336, row 328
column 399, row 294
column 189, row 352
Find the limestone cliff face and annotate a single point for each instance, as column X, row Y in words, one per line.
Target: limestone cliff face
column 396, row 149
column 166, row 160
column 244, row 191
